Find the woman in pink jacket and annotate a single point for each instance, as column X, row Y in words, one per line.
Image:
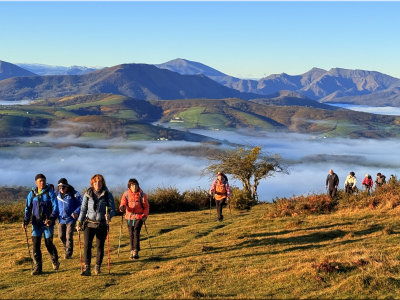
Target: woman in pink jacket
column 368, row 182
column 220, row 190
column 136, row 208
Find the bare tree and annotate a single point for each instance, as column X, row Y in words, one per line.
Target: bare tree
column 248, row 166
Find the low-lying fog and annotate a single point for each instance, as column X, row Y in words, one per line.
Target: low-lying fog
column 19, row 102
column 160, row 163
column 381, row 110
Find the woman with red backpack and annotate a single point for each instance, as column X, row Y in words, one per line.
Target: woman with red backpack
column 136, row 208
column 220, row 190
column 368, row 182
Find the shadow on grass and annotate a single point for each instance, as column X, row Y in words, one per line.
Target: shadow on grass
column 210, row 230
column 283, row 232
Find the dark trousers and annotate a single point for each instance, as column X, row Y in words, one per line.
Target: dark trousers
column 88, row 235
column 134, row 234
column 219, row 204
column 332, row 192
column 66, row 235
column 37, row 253
column 350, row 189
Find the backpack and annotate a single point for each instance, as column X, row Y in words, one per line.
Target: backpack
column 140, row 198
column 36, row 194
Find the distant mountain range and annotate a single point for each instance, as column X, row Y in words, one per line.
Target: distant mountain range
column 144, row 81
column 335, row 85
column 42, row 69
column 8, row 70
column 139, row 81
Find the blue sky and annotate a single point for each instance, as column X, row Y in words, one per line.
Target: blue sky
column 245, row 39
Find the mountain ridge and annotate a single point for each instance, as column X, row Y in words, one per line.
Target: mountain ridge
column 140, row 81
column 9, row 70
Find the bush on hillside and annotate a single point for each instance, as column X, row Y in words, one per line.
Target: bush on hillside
column 297, row 205
column 168, row 199
column 198, row 196
column 385, row 197
column 241, row 200
column 12, row 212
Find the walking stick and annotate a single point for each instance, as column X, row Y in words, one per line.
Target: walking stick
column 210, row 208
column 80, row 249
column 120, row 232
column 229, row 204
column 108, row 240
column 29, row 250
column 148, row 238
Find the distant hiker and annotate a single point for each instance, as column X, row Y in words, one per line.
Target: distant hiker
column 221, row 192
column 350, row 183
column 380, row 180
column 93, row 220
column 136, row 208
column 367, row 183
column 333, row 181
column 42, row 205
column 69, row 203
column 392, row 179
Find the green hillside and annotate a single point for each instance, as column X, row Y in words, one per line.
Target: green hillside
column 124, row 115
column 350, row 253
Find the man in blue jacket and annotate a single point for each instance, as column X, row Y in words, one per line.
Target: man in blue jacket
column 69, row 203
column 42, row 205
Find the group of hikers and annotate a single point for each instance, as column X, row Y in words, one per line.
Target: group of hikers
column 91, row 215
column 350, row 185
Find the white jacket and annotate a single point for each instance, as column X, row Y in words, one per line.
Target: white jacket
column 351, row 181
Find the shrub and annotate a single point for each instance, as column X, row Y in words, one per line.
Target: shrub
column 296, row 205
column 241, row 199
column 12, row 212
column 198, row 197
column 168, row 199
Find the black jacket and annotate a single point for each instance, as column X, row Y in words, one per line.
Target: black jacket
column 333, row 180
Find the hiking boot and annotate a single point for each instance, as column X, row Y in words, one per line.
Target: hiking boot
column 67, row 256
column 132, row 254
column 86, row 272
column 56, row 265
column 97, row 269
column 37, row 269
column 135, row 254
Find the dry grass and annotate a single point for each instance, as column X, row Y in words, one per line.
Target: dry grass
column 344, row 254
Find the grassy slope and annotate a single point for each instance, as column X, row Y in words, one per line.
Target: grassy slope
column 225, row 114
column 255, row 257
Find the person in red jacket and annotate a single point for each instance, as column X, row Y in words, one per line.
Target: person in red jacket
column 136, row 208
column 368, row 182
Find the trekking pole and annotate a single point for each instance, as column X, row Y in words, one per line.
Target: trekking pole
column 229, row 204
column 210, row 208
column 148, row 238
column 29, row 250
column 108, row 240
column 80, row 249
column 120, row 232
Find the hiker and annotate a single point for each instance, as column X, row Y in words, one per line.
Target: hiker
column 93, row 220
column 350, row 183
column 136, row 208
column 333, row 181
column 392, row 179
column 42, row 205
column 380, row 180
column 367, row 183
column 69, row 203
column 220, row 191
